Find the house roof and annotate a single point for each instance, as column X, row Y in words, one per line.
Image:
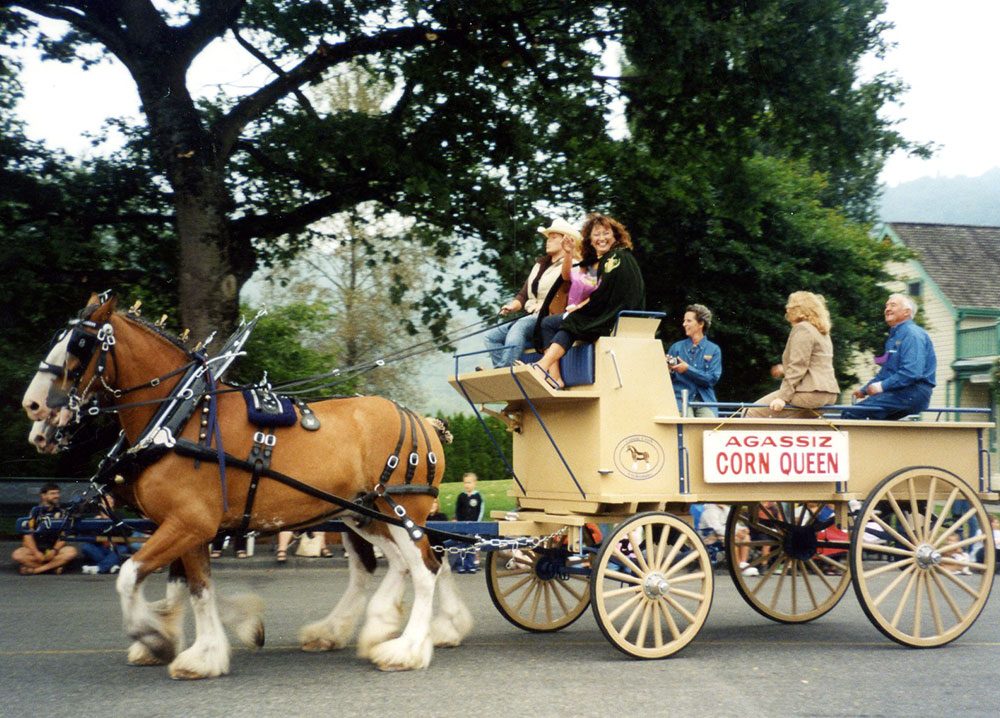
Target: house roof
column 963, row 260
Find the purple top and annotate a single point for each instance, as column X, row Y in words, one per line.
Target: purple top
column 581, row 284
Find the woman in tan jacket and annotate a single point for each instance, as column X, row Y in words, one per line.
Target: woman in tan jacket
column 809, row 380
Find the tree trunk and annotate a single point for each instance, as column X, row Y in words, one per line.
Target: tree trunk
column 212, row 269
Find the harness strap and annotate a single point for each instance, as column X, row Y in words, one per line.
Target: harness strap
column 414, row 459
column 186, row 447
column 393, row 461
column 260, row 459
column 431, row 458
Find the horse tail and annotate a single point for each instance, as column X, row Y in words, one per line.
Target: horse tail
column 441, row 427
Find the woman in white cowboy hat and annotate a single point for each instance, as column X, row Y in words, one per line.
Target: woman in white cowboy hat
column 508, row 341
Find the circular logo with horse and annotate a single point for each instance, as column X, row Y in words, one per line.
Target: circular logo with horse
column 638, row 457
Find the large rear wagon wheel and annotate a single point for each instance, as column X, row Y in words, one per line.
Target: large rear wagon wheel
column 797, row 572
column 540, row 590
column 906, row 574
column 652, row 585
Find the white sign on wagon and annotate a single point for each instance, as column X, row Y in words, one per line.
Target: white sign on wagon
column 766, row 455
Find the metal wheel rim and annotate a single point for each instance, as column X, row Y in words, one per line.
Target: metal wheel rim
column 531, row 602
column 653, row 603
column 787, row 589
column 911, row 596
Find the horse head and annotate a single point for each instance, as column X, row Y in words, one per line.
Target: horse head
column 70, row 363
column 46, row 437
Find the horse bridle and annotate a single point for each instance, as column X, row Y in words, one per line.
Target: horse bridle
column 85, row 336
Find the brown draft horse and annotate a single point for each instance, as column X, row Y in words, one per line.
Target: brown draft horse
column 345, row 457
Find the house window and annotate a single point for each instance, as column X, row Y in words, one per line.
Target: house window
column 914, row 289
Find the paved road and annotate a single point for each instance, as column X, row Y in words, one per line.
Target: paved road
column 62, row 653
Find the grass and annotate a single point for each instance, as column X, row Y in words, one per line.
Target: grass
column 494, row 496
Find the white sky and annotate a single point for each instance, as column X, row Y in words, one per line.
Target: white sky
column 945, row 51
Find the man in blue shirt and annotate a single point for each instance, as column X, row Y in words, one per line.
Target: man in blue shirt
column 695, row 362
column 904, row 383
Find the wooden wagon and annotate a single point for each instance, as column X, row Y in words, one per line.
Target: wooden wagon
column 612, row 452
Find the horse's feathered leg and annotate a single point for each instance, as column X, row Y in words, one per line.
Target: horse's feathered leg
column 243, row 615
column 414, row 648
column 334, row 631
column 453, row 621
column 384, row 616
column 169, row 614
column 156, row 626
column 208, row 656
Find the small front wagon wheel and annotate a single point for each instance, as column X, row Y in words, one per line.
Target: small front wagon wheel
column 540, row 590
column 651, row 586
column 910, row 557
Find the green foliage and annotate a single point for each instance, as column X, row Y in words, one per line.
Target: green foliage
column 473, row 451
column 288, row 343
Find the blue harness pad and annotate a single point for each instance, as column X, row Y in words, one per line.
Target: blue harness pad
column 266, row 408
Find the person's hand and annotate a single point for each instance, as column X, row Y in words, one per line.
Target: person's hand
column 777, row 371
column 858, row 394
column 568, row 245
column 680, row 367
column 875, row 388
column 777, row 405
column 509, row 307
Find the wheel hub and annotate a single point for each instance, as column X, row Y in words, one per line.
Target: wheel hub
column 551, row 565
column 927, row 556
column 656, row 585
column 800, row 542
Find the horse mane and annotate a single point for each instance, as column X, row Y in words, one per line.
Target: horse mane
column 154, row 330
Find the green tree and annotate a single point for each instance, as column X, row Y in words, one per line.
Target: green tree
column 482, row 88
column 473, row 451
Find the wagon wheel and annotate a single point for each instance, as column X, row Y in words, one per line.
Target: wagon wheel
column 797, row 571
column 652, row 585
column 907, row 573
column 542, row 589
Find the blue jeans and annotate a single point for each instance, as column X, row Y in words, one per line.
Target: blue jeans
column 891, row 404
column 103, row 556
column 507, row 342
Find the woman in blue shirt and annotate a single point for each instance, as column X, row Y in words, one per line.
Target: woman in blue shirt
column 696, row 362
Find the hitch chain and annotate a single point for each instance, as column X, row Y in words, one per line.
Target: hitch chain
column 500, row 544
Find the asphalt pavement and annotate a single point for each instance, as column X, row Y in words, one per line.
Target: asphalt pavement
column 62, row 653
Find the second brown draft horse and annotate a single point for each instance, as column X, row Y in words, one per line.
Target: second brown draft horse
column 137, row 366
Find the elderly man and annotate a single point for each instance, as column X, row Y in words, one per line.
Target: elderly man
column 44, row 551
column 904, row 383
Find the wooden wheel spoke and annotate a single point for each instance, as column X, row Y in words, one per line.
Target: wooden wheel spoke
column 893, row 566
column 674, row 604
column 821, row 576
column 949, row 599
column 918, row 603
column 626, row 561
column 536, row 595
column 623, row 577
column 904, row 599
column 932, row 601
column 637, row 609
column 689, row 558
column 647, row 609
column 661, row 550
column 893, row 584
column 623, row 591
column 688, row 578
column 619, row 610
column 884, row 548
column 945, row 512
column 955, row 526
column 566, row 586
column 955, row 580
column 929, row 512
column 520, row 584
column 675, row 632
column 895, row 534
column 687, row 594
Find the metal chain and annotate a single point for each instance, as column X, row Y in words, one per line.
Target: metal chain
column 500, row 544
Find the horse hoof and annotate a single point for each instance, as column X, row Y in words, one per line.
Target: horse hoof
column 183, row 674
column 319, row 645
column 140, row 655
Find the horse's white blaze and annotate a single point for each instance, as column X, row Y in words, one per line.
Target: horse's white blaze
column 36, row 396
column 335, row 630
column 454, row 620
column 208, row 656
column 414, row 648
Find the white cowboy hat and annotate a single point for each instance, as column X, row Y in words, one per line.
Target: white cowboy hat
column 563, row 227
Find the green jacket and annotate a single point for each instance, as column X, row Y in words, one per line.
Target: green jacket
column 621, row 288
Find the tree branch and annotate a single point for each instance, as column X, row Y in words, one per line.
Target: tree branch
column 227, row 130
column 275, row 68
column 274, row 225
column 83, row 17
column 211, row 22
